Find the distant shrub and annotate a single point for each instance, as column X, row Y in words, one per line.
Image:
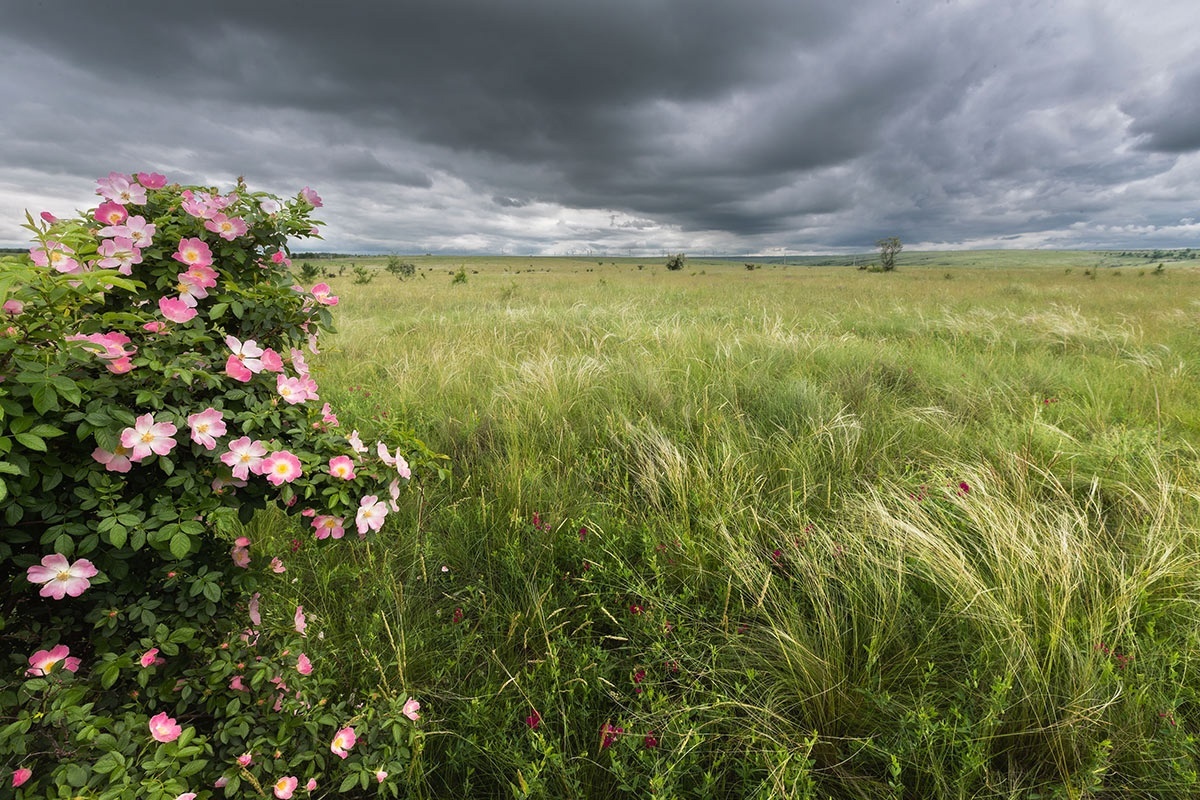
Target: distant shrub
column 309, row 273
column 676, row 261
column 401, row 269
column 460, row 276
column 363, row 276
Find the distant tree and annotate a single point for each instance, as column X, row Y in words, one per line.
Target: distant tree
column 401, row 269
column 675, row 261
column 888, row 248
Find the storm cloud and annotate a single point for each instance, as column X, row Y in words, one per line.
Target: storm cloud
column 630, row 126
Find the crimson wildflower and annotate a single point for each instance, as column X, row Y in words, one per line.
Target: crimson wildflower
column 608, row 735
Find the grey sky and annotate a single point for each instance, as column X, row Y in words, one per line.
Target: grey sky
column 626, row 126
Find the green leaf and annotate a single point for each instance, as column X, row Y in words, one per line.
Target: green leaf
column 117, row 536
column 31, row 441
column 181, row 545
column 68, row 389
column 44, row 398
column 105, row 764
column 188, row 734
column 348, row 782
column 46, row 431
column 109, row 674
column 77, row 776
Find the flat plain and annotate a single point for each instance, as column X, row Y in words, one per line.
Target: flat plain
column 799, row 530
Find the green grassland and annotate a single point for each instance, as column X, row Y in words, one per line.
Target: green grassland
column 797, row 531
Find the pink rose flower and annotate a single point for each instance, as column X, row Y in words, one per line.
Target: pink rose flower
column 328, row 526
column 147, row 437
column 342, row 467
column 284, row 787
column 205, row 426
column 152, row 180
column 44, row 661
column 281, row 467
column 163, row 728
column 343, row 740
column 410, row 709
column 175, row 310
column 60, row 577
column 117, row 461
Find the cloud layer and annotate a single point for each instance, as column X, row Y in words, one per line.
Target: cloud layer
column 630, row 126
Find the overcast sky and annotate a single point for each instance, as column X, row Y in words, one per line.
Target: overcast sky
column 626, row 126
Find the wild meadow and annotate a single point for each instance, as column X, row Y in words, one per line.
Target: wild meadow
column 786, row 532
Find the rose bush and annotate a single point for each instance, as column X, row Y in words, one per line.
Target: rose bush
column 155, row 393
